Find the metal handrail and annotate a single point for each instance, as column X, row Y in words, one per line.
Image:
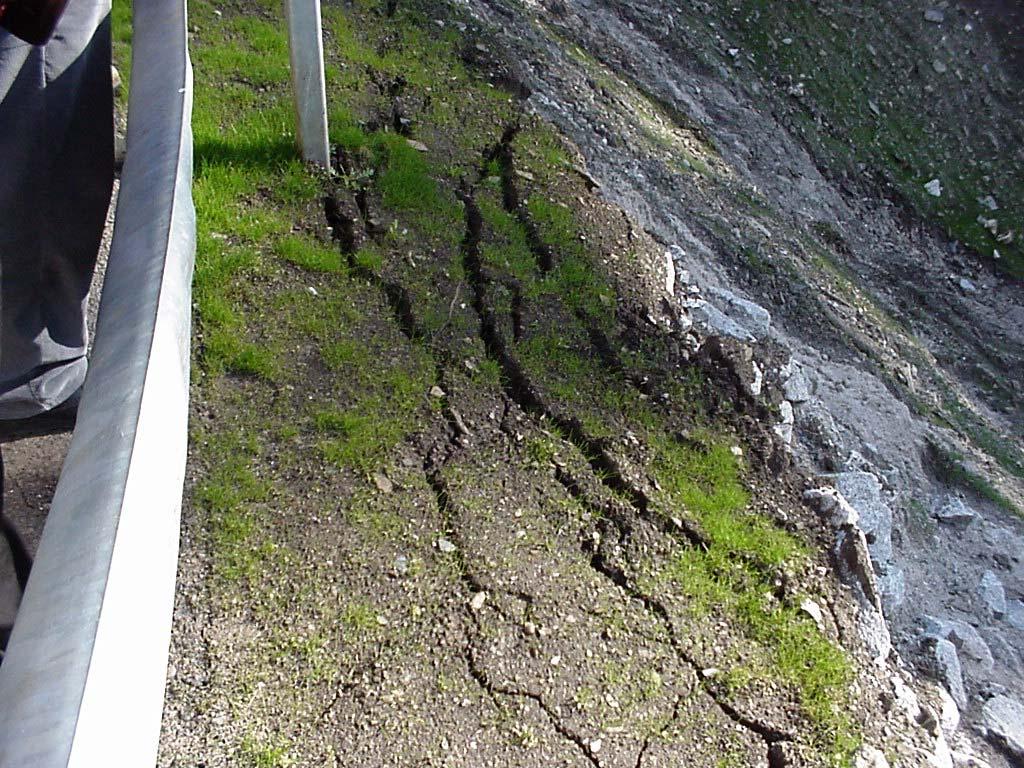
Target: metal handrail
column 83, row 678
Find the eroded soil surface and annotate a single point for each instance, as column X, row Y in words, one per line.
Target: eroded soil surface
column 467, row 485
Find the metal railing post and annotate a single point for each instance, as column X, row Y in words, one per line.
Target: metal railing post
column 306, row 45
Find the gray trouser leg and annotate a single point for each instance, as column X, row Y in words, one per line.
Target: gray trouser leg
column 56, row 172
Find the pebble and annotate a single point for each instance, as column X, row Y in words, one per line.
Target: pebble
column 934, row 188
column 445, row 546
column 401, row 565
column 939, row 66
column 436, row 391
column 478, row 600
column 934, row 15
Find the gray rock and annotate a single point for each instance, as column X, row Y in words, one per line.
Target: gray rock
column 1004, row 724
column 972, row 649
column 716, row 321
column 864, row 492
column 893, row 586
column 934, row 188
column 947, row 667
column 992, row 594
column 753, row 317
column 952, row 511
column 1015, row 614
column 797, row 388
column 934, row 15
column 967, row 285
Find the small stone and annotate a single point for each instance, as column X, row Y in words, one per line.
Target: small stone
column 436, row 391
column 478, row 600
column 934, row 15
column 595, row 746
column 934, row 188
column 382, row 620
column 992, row 594
column 947, row 665
column 939, row 66
column 419, row 146
column 312, row 291
column 556, row 660
column 967, row 285
column 402, row 565
column 873, row 106
column 1004, row 724
column 813, row 610
column 445, row 546
column 115, row 79
column 734, row 52
column 989, row 202
column 383, row 483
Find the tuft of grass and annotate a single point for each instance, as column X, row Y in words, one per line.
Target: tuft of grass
column 308, row 254
column 951, row 468
column 229, row 493
column 257, row 753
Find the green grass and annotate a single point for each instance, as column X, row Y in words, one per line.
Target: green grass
column 308, row 254
column 230, row 493
column 258, row 753
column 951, row 468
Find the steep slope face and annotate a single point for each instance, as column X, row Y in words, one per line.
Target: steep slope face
column 466, row 485
column 791, row 153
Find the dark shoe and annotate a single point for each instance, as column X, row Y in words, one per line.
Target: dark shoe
column 58, row 419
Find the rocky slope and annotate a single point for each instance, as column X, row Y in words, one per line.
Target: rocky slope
column 785, row 156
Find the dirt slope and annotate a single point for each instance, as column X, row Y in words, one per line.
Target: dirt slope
column 466, row 487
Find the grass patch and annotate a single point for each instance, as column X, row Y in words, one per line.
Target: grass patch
column 951, row 468
column 230, row 493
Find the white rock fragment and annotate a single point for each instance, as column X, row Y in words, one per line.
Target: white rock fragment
column 670, row 274
column 478, row 600
column 813, row 610
column 934, row 188
column 445, row 546
column 949, row 714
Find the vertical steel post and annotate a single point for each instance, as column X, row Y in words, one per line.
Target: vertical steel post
column 305, row 41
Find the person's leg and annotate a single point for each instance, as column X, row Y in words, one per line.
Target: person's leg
column 56, row 149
